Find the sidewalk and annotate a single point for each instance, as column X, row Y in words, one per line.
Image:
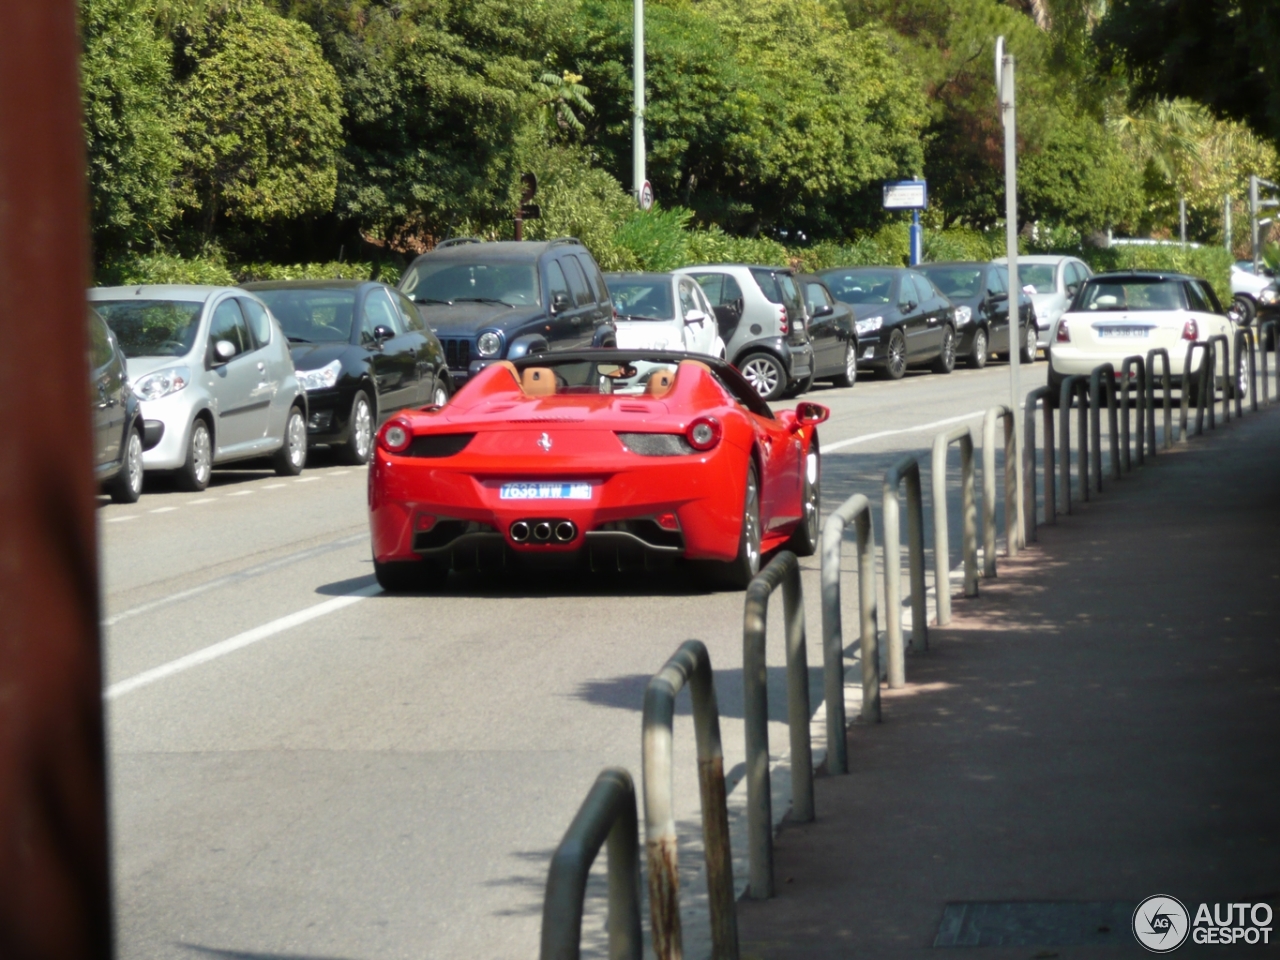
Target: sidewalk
column 1101, row 725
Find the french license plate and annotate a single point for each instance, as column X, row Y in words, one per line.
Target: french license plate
column 1105, row 333
column 545, row 491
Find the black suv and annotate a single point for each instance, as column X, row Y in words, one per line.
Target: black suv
column 502, row 300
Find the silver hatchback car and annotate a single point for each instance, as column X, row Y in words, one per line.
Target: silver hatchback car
column 213, row 372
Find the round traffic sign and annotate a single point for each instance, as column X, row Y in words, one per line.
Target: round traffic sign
column 646, row 196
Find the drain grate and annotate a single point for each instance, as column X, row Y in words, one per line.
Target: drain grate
column 1036, row 923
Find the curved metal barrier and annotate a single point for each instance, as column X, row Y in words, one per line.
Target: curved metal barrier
column 607, row 814
column 1044, row 397
column 989, row 488
column 941, row 540
column 1103, row 375
column 1204, row 382
column 782, row 571
column 1126, row 441
column 1245, row 348
column 1274, row 327
column 689, row 666
column 1073, row 386
column 1227, row 384
column 908, row 469
column 1167, row 379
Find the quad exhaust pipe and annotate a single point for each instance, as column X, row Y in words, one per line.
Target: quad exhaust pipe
column 542, row 531
column 565, row 531
column 520, row 531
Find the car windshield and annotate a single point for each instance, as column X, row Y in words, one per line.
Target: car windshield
column 642, row 299
column 1038, row 275
column 448, row 281
column 1112, row 293
column 152, row 328
column 863, row 286
column 312, row 316
column 958, row 282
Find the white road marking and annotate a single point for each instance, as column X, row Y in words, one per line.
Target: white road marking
column 132, row 516
column 866, row 438
column 192, row 503
column 238, row 642
column 306, row 479
column 272, row 486
column 240, row 493
column 163, row 510
column 340, row 473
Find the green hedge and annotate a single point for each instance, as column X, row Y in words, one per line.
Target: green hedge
column 168, row 268
column 1211, row 263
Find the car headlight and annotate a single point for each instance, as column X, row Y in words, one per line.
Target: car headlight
column 489, row 344
column 162, row 383
column 321, row 378
column 869, row 325
column 963, row 315
column 1269, row 295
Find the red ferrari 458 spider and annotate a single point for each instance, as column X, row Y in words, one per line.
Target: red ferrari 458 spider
column 622, row 457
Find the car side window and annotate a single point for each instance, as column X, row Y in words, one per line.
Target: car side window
column 924, row 289
column 577, row 282
column 259, row 320
column 816, row 294
column 1195, row 298
column 996, row 283
column 556, row 283
column 712, row 285
column 412, row 318
column 595, row 282
column 228, row 324
column 688, row 299
column 1215, row 304
column 907, row 295
column 100, row 349
column 378, row 312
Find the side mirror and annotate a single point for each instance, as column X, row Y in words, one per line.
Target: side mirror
column 559, row 302
column 695, row 316
column 224, row 350
column 908, row 306
column 381, row 333
column 824, row 310
column 998, row 297
column 810, row 415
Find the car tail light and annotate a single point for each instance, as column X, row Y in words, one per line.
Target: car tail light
column 1191, row 331
column 782, row 320
column 668, row 521
column 1064, row 332
column 704, row 433
column 424, row 522
column 396, row 436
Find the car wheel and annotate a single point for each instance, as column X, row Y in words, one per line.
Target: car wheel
column 292, row 456
column 895, row 359
column 193, row 476
column 978, row 354
column 401, row 576
column 765, row 373
column 1028, row 352
column 800, row 387
column 1248, row 309
column 126, row 486
column 946, row 361
column 440, row 394
column 850, row 375
column 738, row 573
column 1241, row 387
column 804, row 541
column 360, row 441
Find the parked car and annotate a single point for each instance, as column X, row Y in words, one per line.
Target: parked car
column 1056, row 280
column 1117, row 315
column 831, row 331
column 116, row 416
column 1254, row 293
column 980, row 292
column 620, row 457
column 762, row 320
column 362, row 352
column 494, row 301
column 902, row 319
column 663, row 311
column 214, row 377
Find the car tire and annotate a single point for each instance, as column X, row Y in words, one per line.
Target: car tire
column 800, row 387
column 1029, row 340
column 403, row 576
column 765, row 373
column 850, row 375
column 980, row 351
column 1055, row 386
column 193, row 475
column 1240, row 388
column 440, row 393
column 808, row 533
column 946, row 361
column 126, row 486
column 1248, row 309
column 895, row 357
column 355, row 452
column 289, row 460
column 738, row 573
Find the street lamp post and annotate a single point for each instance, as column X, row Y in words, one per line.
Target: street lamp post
column 638, row 178
column 1008, row 114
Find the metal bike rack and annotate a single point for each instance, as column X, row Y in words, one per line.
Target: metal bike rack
column 1103, row 373
column 1163, row 354
column 855, row 510
column 689, row 666
column 1204, row 374
column 908, row 469
column 1075, row 385
column 1246, row 348
column 968, row 509
column 782, row 571
column 1274, row 327
column 1226, row 378
column 1126, row 460
column 989, row 489
column 1044, row 397
column 607, row 814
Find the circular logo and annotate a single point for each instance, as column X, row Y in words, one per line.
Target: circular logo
column 646, row 196
column 1161, row 924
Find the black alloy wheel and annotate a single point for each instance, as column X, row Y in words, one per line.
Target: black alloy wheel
column 126, row 486
column 978, row 353
column 738, row 573
column 946, row 361
column 850, row 375
column 807, row 535
column 895, row 360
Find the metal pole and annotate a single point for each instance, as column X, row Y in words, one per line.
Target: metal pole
column 1226, row 222
column 1253, row 220
column 917, row 239
column 1017, row 525
column 1182, row 219
column 638, row 176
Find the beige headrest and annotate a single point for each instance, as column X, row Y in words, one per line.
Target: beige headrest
column 538, row 381
column 660, row 382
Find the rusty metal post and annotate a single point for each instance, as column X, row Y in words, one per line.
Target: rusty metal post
column 1167, row 379
column 54, row 875
column 855, row 510
column 1044, row 397
column 969, row 520
column 782, row 571
column 689, row 666
column 908, row 469
column 608, row 814
column 1126, row 460
column 1078, row 386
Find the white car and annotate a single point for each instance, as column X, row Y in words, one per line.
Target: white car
column 1118, row 315
column 1253, row 292
column 663, row 311
column 1055, row 280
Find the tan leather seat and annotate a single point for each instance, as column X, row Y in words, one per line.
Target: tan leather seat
column 660, row 382
column 538, row 381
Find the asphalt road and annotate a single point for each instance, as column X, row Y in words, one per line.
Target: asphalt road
column 302, row 767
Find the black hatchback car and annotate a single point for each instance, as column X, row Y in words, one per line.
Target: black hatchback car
column 362, row 352
column 980, row 292
column 506, row 299
column 116, row 416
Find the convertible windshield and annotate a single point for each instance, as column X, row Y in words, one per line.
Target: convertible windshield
column 958, row 282
column 152, row 328
column 1038, row 275
column 642, row 299
column 449, row 281
column 1135, row 294
column 312, row 316
column 862, row 286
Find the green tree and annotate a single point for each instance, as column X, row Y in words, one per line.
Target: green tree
column 128, row 123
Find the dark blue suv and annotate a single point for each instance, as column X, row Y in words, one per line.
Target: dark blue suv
column 502, row 300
